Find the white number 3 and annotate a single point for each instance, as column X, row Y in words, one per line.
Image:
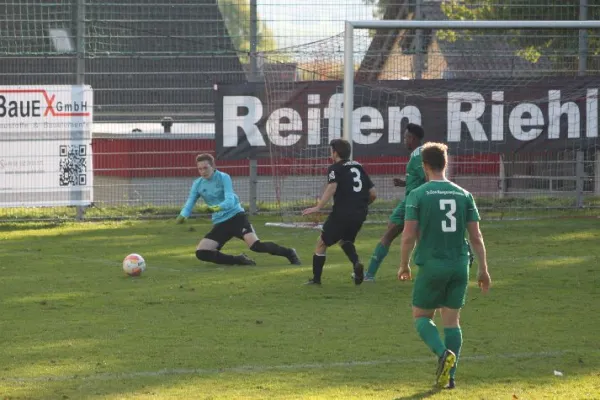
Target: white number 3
column 444, row 204
column 357, row 187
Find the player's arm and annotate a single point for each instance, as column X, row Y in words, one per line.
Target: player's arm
column 325, row 197
column 398, row 182
column 193, row 197
column 330, row 189
column 372, row 195
column 409, row 238
column 228, row 194
column 477, row 244
column 476, row 239
column 409, row 235
column 369, row 183
column 415, row 175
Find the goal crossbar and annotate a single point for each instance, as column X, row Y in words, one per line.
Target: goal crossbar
column 501, row 180
column 458, row 25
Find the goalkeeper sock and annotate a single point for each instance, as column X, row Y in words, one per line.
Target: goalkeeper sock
column 428, row 332
column 377, row 258
column 271, row 248
column 453, row 340
column 318, row 263
column 215, row 256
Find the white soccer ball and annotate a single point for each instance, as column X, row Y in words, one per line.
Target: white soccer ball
column 134, row 265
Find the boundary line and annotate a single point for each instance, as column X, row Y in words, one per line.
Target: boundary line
column 266, row 368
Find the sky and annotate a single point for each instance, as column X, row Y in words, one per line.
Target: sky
column 295, row 22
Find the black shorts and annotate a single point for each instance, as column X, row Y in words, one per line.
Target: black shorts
column 236, row 226
column 338, row 228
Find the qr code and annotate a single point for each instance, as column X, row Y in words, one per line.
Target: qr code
column 72, row 165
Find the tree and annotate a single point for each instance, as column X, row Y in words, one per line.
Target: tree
column 557, row 45
column 531, row 45
column 380, row 6
column 236, row 14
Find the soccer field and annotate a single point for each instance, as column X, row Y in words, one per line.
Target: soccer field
column 73, row 327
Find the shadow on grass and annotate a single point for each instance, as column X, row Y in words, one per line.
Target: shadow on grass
column 421, row 395
column 30, row 226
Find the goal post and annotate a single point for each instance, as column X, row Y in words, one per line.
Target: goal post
column 569, row 164
column 508, row 98
column 350, row 26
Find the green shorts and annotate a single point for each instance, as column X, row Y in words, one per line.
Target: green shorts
column 437, row 287
column 397, row 216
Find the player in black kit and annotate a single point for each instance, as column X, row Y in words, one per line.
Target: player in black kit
column 352, row 191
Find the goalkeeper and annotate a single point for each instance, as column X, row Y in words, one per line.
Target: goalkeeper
column 229, row 219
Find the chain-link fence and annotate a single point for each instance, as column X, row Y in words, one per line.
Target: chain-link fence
column 154, row 67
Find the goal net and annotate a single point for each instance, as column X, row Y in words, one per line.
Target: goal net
column 298, row 172
column 34, row 27
column 508, row 98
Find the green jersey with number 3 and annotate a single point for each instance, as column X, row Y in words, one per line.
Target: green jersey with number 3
column 442, row 210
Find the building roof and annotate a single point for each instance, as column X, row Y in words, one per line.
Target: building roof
column 472, row 56
column 383, row 42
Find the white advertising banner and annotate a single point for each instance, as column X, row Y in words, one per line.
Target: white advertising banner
column 45, row 146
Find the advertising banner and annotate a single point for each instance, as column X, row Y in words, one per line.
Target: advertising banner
column 471, row 116
column 45, row 146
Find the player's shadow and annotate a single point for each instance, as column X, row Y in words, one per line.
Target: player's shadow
column 20, row 226
column 422, row 395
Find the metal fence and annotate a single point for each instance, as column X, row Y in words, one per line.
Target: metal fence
column 153, row 65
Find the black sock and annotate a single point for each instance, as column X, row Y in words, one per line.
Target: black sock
column 215, row 256
column 271, row 248
column 350, row 251
column 318, row 263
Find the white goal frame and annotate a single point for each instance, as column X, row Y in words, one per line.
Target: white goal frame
column 348, row 59
column 456, row 25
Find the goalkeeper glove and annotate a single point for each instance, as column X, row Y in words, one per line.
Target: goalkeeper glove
column 214, row 208
column 180, row 219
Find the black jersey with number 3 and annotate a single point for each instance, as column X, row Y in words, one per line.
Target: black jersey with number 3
column 351, row 198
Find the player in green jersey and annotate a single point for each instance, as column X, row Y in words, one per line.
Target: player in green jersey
column 438, row 215
column 415, row 177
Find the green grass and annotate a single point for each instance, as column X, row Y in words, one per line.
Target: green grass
column 73, row 327
column 490, row 207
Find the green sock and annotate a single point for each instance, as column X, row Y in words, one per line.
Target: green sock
column 453, row 340
column 377, row 258
column 430, row 335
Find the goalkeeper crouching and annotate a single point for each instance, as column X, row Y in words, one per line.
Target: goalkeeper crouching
column 228, row 217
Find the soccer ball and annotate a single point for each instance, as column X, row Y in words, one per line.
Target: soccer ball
column 134, row 265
